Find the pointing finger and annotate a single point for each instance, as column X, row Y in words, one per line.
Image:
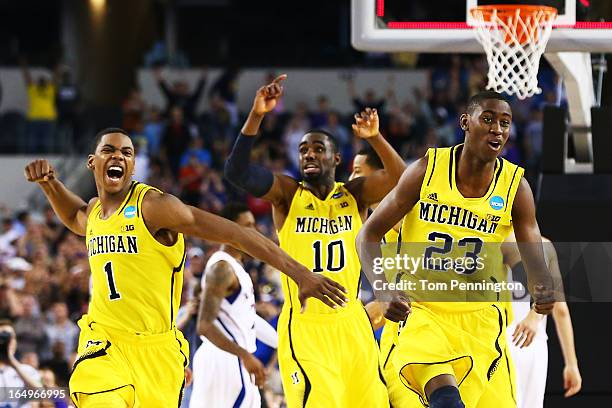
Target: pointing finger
column 279, row 78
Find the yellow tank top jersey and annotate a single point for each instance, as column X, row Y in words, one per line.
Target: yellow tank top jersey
column 137, row 280
column 444, row 224
column 320, row 234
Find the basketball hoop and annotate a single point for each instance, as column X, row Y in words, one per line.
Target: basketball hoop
column 514, row 39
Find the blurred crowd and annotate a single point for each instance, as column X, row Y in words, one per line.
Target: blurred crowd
column 44, row 275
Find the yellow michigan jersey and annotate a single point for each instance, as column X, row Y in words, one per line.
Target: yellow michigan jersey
column 457, row 239
column 317, row 367
column 137, row 281
column 130, row 352
column 320, row 234
column 462, row 334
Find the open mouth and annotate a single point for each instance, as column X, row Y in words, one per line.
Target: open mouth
column 495, row 145
column 311, row 168
column 115, row 173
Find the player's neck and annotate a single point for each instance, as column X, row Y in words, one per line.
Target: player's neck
column 473, row 174
column 234, row 253
column 321, row 189
column 110, row 202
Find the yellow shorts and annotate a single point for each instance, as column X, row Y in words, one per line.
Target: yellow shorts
column 399, row 395
column 330, row 360
column 468, row 345
column 153, row 366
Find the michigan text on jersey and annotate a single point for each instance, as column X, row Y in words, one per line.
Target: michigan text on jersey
column 324, row 225
column 113, row 244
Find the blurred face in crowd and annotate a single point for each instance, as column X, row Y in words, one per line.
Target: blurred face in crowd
column 361, row 168
column 113, row 162
column 176, row 114
column 60, row 310
column 370, row 96
column 180, row 87
column 318, row 158
column 28, row 303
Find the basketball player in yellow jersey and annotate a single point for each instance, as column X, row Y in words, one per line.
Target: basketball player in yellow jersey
column 448, row 352
column 366, row 162
column 328, row 358
column 130, row 353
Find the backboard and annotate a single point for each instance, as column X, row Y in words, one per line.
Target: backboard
column 445, row 26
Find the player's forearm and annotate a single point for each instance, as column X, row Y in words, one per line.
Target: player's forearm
column 65, row 203
column 28, row 381
column 252, row 124
column 565, row 333
column 391, row 160
column 216, row 337
column 257, row 180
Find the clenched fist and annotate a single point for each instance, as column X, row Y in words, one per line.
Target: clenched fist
column 39, row 171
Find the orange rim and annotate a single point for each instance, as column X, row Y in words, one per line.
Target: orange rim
column 509, row 10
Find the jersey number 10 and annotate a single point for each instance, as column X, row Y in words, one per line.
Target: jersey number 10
column 333, row 264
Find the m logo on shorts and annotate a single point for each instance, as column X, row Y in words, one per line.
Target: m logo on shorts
column 496, row 202
column 295, row 379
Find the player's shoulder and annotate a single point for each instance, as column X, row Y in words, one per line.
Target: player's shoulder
column 285, row 186
column 91, row 204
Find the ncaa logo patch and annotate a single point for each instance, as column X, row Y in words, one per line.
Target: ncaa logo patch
column 337, row 195
column 496, row 202
column 129, row 212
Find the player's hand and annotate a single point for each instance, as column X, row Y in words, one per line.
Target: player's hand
column 267, row 96
column 318, row 286
column 375, row 314
column 399, row 308
column 39, row 171
column 366, row 124
column 572, row 381
column 544, row 300
column 526, row 330
column 255, row 368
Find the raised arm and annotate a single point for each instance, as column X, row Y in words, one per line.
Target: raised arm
column 220, row 280
column 529, row 241
column 239, row 170
column 70, row 208
column 161, row 82
column 164, row 211
column 372, row 189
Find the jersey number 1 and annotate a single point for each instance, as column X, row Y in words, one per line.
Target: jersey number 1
column 333, row 265
column 108, row 268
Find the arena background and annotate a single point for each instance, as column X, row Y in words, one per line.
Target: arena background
column 108, row 57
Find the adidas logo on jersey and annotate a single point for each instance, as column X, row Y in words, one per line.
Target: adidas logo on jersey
column 309, row 207
column 433, row 196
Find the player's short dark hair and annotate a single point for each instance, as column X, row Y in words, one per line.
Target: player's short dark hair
column 478, row 98
column 104, row 132
column 232, row 210
column 329, row 136
column 372, row 158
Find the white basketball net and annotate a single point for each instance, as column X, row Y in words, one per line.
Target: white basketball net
column 514, row 44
